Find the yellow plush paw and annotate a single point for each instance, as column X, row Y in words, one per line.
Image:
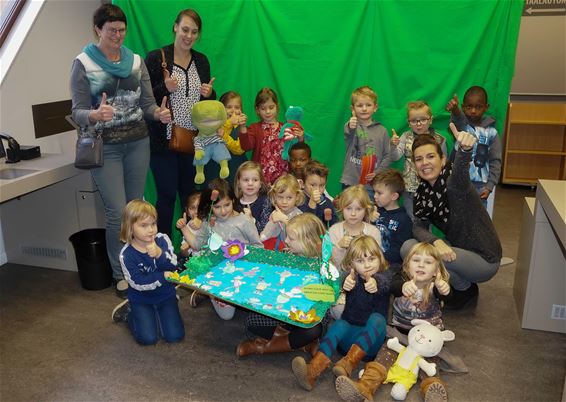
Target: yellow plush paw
column 198, row 155
column 199, row 178
column 224, row 172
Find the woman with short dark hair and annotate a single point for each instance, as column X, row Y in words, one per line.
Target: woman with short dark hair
column 111, row 95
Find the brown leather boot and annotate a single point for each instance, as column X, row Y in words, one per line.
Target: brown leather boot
column 311, row 348
column 345, row 365
column 306, row 374
column 362, row 390
column 279, row 342
column 433, row 390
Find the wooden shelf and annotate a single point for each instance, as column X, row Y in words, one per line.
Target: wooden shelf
column 535, row 143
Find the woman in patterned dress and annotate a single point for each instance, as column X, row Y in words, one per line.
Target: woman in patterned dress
column 186, row 82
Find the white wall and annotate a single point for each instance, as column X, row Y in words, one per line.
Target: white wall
column 40, row 72
column 540, row 66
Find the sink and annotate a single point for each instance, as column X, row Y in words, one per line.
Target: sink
column 14, row 173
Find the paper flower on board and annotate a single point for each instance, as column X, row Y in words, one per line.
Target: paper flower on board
column 233, row 250
column 181, row 278
column 301, row 316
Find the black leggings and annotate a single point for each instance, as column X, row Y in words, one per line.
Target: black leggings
column 264, row 327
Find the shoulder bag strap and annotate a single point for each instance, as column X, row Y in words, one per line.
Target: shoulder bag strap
column 164, row 68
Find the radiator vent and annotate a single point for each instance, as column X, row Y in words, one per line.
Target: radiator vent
column 58, row 253
column 558, row 312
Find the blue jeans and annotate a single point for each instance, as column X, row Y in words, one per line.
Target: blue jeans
column 148, row 322
column 120, row 180
column 173, row 173
column 343, row 335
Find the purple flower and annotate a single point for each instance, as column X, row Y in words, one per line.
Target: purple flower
column 234, row 250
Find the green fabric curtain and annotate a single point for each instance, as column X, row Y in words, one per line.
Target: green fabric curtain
column 314, row 53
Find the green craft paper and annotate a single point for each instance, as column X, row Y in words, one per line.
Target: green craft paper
column 323, row 293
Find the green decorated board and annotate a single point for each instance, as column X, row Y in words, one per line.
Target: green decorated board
column 293, row 289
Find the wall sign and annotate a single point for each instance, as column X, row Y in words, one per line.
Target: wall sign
column 539, row 8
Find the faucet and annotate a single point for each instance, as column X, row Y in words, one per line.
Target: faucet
column 13, row 151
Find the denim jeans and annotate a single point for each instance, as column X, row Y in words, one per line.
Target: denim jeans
column 148, row 322
column 120, row 180
column 342, row 335
column 173, row 173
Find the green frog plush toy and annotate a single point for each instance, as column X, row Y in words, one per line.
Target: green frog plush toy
column 209, row 117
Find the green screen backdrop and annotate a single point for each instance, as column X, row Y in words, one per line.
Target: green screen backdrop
column 314, row 53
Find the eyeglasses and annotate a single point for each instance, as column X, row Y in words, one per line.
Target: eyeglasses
column 416, row 122
column 472, row 107
column 114, row 31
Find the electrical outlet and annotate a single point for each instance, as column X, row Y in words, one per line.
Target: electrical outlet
column 558, row 312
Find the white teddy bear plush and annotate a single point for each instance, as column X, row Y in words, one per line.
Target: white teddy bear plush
column 425, row 340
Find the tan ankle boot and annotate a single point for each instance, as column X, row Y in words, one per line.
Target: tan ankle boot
column 306, row 374
column 433, row 390
column 278, row 343
column 362, row 390
column 345, row 365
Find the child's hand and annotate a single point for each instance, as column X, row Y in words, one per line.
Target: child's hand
column 167, row 274
column 248, row 212
column 184, row 246
column 409, row 288
column 278, row 216
column 452, row 105
column 484, row 193
column 465, row 140
column 235, row 118
column 350, row 281
column 242, row 120
column 182, row 222
column 369, row 177
column 316, row 196
column 170, row 83
column 153, row 250
column 345, row 241
column 394, row 138
column 371, row 284
column 374, row 215
column 195, row 223
column 353, row 122
column 298, row 132
column 445, row 251
column 442, row 286
column 206, row 88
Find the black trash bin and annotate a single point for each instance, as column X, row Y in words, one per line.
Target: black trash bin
column 94, row 267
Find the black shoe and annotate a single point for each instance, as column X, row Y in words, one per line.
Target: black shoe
column 197, row 298
column 122, row 289
column 121, row 311
column 463, row 298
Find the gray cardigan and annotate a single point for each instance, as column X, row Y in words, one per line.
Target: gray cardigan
column 469, row 226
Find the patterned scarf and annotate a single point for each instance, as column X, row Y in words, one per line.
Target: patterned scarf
column 121, row 69
column 431, row 202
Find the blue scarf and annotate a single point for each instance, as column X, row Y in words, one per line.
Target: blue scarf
column 121, row 69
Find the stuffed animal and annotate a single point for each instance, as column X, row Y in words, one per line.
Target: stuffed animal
column 209, row 117
column 425, row 340
column 293, row 116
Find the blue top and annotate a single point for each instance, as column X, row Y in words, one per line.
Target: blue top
column 320, row 207
column 361, row 304
column 396, row 227
column 146, row 283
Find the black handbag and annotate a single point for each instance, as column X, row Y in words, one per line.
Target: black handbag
column 89, row 152
column 89, row 147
